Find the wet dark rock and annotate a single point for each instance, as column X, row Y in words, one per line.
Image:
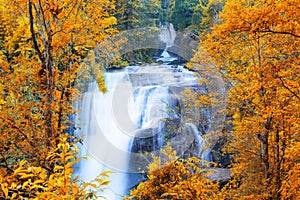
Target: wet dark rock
column 219, row 174
column 217, row 153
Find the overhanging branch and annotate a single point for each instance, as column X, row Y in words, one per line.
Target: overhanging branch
column 286, row 87
column 278, row 32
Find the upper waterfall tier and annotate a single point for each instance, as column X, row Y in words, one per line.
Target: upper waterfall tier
column 161, row 75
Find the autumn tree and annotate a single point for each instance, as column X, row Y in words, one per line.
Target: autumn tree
column 256, row 48
column 42, row 45
column 170, row 177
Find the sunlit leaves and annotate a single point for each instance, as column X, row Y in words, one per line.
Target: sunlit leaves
column 42, row 45
column 256, row 48
column 28, row 181
column 172, row 178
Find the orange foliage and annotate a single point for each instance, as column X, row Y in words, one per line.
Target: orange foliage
column 256, row 48
column 35, row 182
column 175, row 179
column 42, row 45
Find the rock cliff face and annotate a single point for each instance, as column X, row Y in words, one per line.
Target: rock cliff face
column 183, row 122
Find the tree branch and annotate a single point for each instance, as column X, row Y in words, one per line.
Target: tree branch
column 286, row 87
column 43, row 17
column 278, row 32
column 6, row 163
column 34, row 40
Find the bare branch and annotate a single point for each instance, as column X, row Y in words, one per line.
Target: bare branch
column 34, row 40
column 286, row 87
column 6, row 163
column 278, row 32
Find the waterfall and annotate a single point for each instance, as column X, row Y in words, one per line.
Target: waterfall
column 167, row 36
column 101, row 134
column 133, row 116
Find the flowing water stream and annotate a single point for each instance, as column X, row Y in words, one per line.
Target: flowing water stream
column 133, row 116
column 138, row 100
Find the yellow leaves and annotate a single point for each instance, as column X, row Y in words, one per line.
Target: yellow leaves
column 104, row 182
column 58, row 168
column 110, row 21
column 92, row 185
column 175, row 179
column 255, row 49
column 236, row 115
column 37, row 182
column 2, row 102
column 33, row 117
column 4, row 187
column 25, row 184
column 106, row 173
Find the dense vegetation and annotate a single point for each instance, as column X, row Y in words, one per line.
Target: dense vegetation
column 42, row 45
column 253, row 44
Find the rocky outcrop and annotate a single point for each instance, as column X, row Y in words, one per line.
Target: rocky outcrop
column 186, row 125
column 219, row 174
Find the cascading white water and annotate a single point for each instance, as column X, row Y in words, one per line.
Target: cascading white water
column 149, row 105
column 167, row 36
column 100, row 134
column 138, row 98
column 138, row 101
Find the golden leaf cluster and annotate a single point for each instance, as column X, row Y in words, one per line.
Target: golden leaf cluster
column 42, row 45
